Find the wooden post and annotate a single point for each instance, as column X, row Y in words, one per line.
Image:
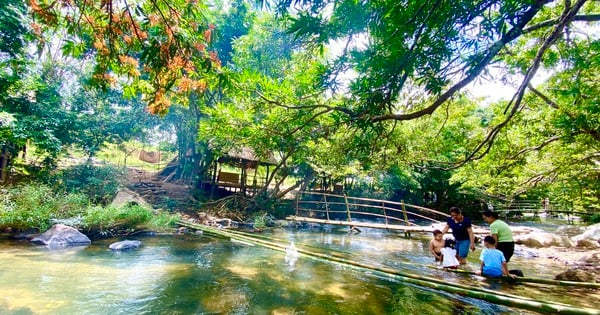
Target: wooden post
column 384, row 214
column 347, row 207
column 326, row 207
column 254, row 181
column 297, row 203
column 406, row 233
column 243, row 179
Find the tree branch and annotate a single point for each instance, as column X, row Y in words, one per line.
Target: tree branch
column 487, row 57
column 515, row 103
column 545, row 98
column 310, row 107
column 584, row 18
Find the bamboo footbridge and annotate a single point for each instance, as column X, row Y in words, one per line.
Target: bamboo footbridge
column 441, row 284
column 325, row 208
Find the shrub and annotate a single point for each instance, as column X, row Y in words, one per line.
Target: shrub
column 592, row 219
column 127, row 217
column 162, row 221
column 100, row 218
column 99, row 183
column 35, row 206
column 131, row 216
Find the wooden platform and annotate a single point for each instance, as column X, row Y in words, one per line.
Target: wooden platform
column 397, row 227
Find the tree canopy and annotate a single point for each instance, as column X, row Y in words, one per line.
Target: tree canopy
column 377, row 90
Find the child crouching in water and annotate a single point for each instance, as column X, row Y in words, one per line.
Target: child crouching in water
column 449, row 259
column 493, row 263
column 436, row 245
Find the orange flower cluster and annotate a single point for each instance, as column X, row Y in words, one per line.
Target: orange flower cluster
column 186, row 85
column 118, row 34
column 47, row 15
column 160, row 103
column 105, row 78
column 130, row 64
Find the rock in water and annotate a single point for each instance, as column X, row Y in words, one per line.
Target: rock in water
column 61, row 235
column 590, row 238
column 576, row 275
column 125, row 245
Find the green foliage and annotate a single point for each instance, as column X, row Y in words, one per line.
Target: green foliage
column 162, row 221
column 99, row 183
column 106, row 117
column 260, row 221
column 349, row 115
column 593, row 219
column 127, row 217
column 36, row 206
column 166, row 41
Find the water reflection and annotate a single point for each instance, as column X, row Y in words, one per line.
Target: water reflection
column 191, row 274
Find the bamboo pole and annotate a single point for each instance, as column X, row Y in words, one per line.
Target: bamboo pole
column 384, row 213
column 347, row 208
column 591, row 285
column 412, row 228
column 479, row 293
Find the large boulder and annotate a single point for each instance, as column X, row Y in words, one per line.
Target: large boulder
column 542, row 239
column 126, row 196
column 576, row 275
column 61, row 235
column 590, row 238
column 125, row 245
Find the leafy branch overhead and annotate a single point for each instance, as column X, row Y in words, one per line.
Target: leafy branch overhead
column 161, row 46
column 437, row 48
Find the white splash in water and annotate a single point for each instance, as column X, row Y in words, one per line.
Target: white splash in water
column 291, row 254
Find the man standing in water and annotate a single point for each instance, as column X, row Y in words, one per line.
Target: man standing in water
column 462, row 231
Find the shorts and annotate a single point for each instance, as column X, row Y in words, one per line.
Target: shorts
column 462, row 248
column 507, row 248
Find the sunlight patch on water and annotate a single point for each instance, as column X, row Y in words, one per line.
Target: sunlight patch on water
column 230, row 299
column 64, row 281
column 243, row 271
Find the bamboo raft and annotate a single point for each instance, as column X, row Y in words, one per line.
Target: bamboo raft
column 496, row 297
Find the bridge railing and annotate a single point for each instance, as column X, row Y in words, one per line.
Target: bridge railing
column 340, row 207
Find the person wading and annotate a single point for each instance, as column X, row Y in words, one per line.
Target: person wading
column 501, row 232
column 462, row 231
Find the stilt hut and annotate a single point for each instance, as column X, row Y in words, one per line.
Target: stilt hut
column 243, row 171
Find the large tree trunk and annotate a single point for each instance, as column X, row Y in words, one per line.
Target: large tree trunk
column 4, row 157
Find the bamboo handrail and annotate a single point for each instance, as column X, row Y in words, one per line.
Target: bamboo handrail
column 349, row 212
column 496, row 297
column 369, row 213
column 378, row 200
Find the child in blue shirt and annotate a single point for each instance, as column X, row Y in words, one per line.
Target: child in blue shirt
column 493, row 263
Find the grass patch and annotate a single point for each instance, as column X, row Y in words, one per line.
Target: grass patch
column 37, row 206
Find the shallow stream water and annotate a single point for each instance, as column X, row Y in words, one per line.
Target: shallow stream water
column 198, row 274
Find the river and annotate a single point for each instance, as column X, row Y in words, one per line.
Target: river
column 199, row 274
